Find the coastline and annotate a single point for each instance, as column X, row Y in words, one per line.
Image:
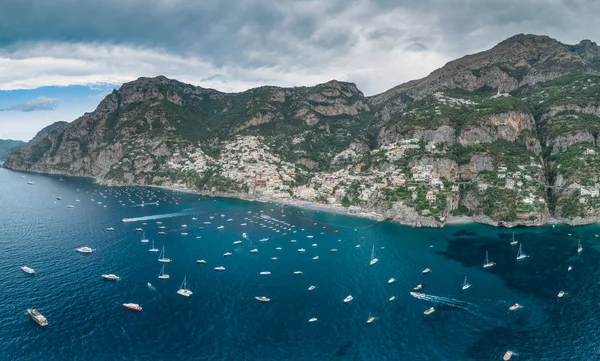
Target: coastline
column 450, row 220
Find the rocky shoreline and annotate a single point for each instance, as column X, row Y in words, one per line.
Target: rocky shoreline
column 415, row 221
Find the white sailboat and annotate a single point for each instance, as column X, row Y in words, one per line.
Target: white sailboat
column 520, row 254
column 153, row 249
column 162, row 258
column 162, row 275
column 487, row 263
column 183, row 289
column 144, row 239
column 513, row 242
column 373, row 259
column 466, row 284
column 579, row 246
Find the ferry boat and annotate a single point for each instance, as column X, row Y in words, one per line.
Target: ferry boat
column 28, row 270
column 111, row 277
column 37, row 317
column 263, row 298
column 429, row 311
column 348, row 299
column 84, row 250
column 133, row 306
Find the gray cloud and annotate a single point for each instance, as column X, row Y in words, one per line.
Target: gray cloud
column 267, row 41
column 41, row 103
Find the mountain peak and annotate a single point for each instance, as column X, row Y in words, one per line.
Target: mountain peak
column 528, row 39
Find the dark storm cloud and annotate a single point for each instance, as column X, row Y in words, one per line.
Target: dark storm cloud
column 376, row 42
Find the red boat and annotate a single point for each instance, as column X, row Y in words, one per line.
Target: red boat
column 133, row 306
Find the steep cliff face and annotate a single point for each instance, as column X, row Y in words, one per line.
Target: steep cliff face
column 507, row 136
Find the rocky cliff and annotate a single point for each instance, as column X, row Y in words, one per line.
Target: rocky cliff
column 507, row 136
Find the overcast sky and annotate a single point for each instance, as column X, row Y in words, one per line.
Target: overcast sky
column 233, row 45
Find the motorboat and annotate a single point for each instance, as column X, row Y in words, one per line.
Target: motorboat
column 110, row 229
column 417, row 287
column 37, row 317
column 28, row 270
column 392, row 280
column 263, row 298
column 311, row 287
column 514, row 307
column 274, row 258
column 313, row 319
column 297, row 273
column 220, row 268
column 429, row 311
column 561, row 294
column 348, row 299
column 507, row 355
column 334, row 250
column 111, row 277
column 301, row 250
column 316, row 257
column 265, row 273
column 237, row 242
column 426, row 271
column 220, row 227
column 254, row 250
column 392, row 298
column 227, row 254
column 84, row 250
column 133, row 306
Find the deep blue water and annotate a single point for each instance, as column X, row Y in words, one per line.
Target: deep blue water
column 223, row 321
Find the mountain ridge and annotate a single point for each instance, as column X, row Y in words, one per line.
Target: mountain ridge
column 493, row 135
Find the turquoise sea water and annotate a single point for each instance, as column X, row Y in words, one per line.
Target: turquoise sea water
column 223, row 321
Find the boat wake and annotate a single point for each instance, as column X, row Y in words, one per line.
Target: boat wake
column 156, row 216
column 447, row 301
column 144, row 204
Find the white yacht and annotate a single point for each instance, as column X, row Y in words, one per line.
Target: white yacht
column 110, row 229
column 183, row 289
column 265, row 273
column 426, row 271
column 348, row 299
column 392, row 298
column 561, row 294
column 220, row 227
column 153, row 249
column 311, row 287
column 220, row 268
column 466, row 284
column 373, row 259
column 371, row 318
column 313, row 319
column 297, row 273
column 254, row 250
column 316, row 257
column 274, row 258
column 37, row 317
column 263, row 298
column 84, row 250
column 162, row 258
column 237, row 242
column 162, row 275
column 392, row 280
column 429, row 311
column 579, row 247
column 28, row 270
column 227, row 254
column 513, row 242
column 520, row 254
column 111, row 277
column 144, row 239
column 487, row 263
column 201, row 261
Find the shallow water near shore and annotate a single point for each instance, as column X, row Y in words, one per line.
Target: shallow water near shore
column 222, row 320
